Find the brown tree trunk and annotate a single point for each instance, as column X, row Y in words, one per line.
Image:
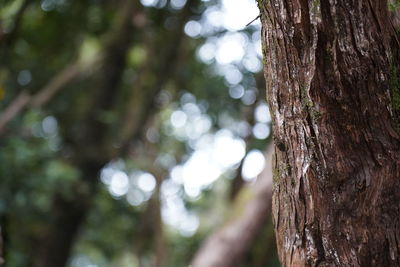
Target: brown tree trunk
column 332, row 71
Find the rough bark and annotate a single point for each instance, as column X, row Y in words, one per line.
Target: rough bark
column 227, row 246
column 332, row 71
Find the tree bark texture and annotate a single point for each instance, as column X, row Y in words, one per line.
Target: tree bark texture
column 332, row 71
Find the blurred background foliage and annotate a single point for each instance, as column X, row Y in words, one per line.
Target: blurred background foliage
column 127, row 129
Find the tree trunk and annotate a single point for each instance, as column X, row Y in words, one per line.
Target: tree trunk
column 68, row 214
column 70, row 208
column 90, row 149
column 1, row 244
column 159, row 243
column 332, row 71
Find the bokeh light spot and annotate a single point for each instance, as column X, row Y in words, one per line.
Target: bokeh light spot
column 119, row 184
column 146, row 182
column 253, row 164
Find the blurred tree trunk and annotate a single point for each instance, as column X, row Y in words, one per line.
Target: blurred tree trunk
column 248, row 115
column 332, row 71
column 229, row 245
column 90, row 147
column 89, row 151
column 159, row 239
column 1, row 244
column 7, row 38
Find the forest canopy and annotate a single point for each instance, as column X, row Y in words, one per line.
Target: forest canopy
column 131, row 131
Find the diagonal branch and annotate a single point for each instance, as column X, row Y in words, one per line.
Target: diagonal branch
column 14, row 109
column 69, row 73
column 24, row 99
column 8, row 38
column 227, row 246
column 143, row 96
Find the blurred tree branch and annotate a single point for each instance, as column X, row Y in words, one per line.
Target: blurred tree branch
column 1, row 246
column 82, row 120
column 248, row 116
column 24, row 99
column 91, row 149
column 227, row 246
column 19, row 103
column 6, row 39
column 68, row 213
column 162, row 63
column 238, row 182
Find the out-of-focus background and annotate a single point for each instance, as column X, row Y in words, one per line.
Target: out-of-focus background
column 133, row 133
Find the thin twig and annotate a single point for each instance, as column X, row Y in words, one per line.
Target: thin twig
column 253, row 20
